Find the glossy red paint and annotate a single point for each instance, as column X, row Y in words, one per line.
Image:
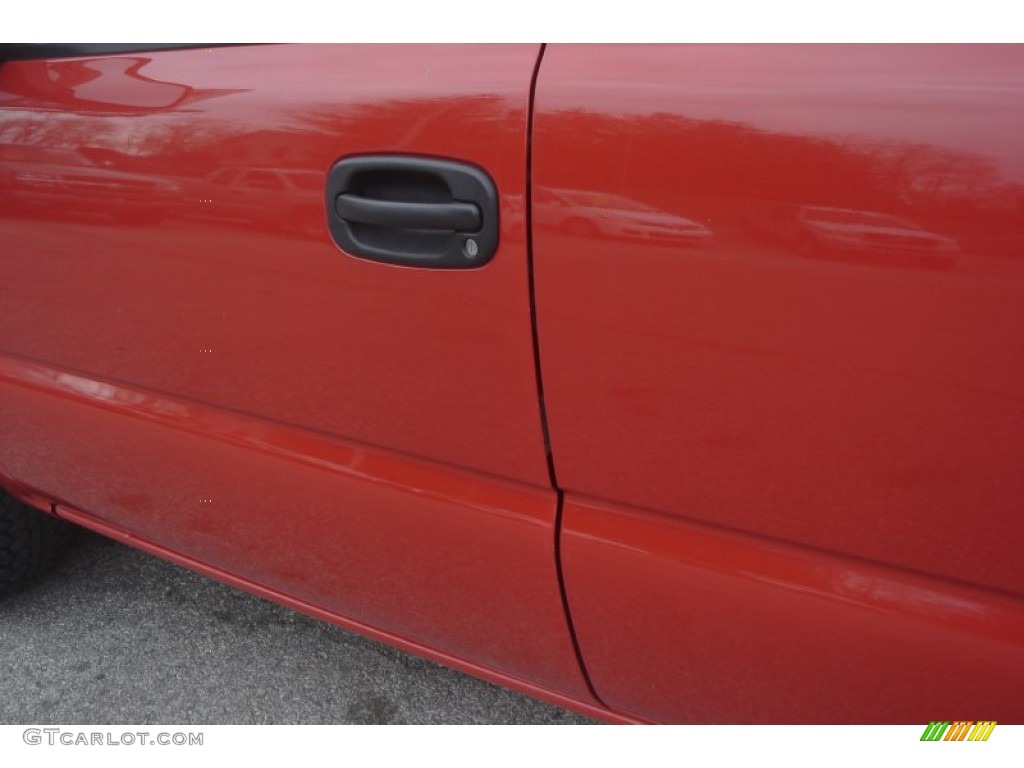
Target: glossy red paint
column 446, row 558
column 188, row 357
column 780, row 292
column 527, row 686
column 781, row 334
column 688, row 623
column 158, row 206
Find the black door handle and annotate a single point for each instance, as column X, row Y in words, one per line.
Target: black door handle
column 414, row 211
column 457, row 217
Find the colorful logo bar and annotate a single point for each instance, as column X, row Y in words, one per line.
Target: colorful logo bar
column 958, row 730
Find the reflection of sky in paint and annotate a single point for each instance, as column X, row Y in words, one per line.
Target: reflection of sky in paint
column 131, row 90
column 335, row 76
column 861, row 586
column 871, row 92
column 327, row 68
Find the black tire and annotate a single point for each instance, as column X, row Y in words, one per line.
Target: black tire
column 30, row 543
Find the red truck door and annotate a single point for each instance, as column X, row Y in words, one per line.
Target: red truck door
column 186, row 353
column 780, row 296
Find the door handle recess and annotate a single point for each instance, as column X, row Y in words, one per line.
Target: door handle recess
column 413, row 211
column 461, row 217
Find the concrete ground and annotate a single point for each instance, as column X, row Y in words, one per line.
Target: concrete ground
column 117, row 636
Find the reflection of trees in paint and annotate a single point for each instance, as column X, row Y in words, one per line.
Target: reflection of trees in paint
column 222, row 167
column 736, row 167
column 113, row 85
column 725, row 168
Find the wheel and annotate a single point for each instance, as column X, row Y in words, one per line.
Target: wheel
column 30, row 543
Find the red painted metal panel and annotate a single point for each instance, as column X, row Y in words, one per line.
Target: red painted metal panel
column 780, row 290
column 449, row 559
column 163, row 225
column 582, row 705
column 189, row 360
column 688, row 623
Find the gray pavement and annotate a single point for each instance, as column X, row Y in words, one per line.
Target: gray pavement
column 117, row 636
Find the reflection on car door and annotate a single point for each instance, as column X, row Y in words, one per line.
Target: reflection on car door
column 791, row 444
column 230, row 388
